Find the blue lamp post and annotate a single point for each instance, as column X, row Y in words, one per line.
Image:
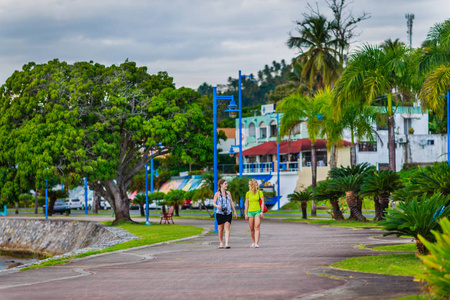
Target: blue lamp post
column 278, row 164
column 147, row 222
column 85, row 196
column 231, row 110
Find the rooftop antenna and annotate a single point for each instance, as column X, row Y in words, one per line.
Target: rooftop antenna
column 409, row 26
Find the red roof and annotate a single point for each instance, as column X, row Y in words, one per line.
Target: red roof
column 269, row 148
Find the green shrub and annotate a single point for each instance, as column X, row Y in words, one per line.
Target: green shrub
column 437, row 263
column 418, row 216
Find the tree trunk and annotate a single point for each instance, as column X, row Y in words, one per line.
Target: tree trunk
column 384, row 204
column 203, row 203
column 377, row 209
column 391, row 134
column 353, row 205
column 304, row 210
column 177, row 210
column 51, row 205
column 314, row 177
column 141, row 209
column 35, row 203
column 353, row 154
column 333, row 157
column 337, row 213
column 95, row 203
column 421, row 247
column 16, row 206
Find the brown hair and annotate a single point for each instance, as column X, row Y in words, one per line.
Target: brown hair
column 254, row 186
column 219, row 184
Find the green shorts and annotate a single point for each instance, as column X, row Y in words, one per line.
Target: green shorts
column 253, row 213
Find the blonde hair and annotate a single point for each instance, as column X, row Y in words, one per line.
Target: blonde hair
column 254, row 186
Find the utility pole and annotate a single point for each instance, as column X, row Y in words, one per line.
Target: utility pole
column 409, row 26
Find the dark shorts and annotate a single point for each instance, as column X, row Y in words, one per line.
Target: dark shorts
column 221, row 219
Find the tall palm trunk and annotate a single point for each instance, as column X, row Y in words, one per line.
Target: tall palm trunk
column 353, row 205
column 304, row 208
column 391, row 134
column 337, row 213
column 333, row 156
column 384, row 204
column 314, row 176
column 352, row 147
column 376, row 202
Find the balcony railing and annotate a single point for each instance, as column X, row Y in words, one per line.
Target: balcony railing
column 269, row 167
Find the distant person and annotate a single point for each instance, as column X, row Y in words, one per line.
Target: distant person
column 224, row 204
column 254, row 210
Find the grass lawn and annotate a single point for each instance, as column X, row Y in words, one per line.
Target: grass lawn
column 411, row 247
column 390, row 264
column 153, row 234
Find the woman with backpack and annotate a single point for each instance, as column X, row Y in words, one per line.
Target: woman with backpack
column 254, row 210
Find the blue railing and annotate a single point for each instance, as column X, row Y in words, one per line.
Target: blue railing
column 269, row 167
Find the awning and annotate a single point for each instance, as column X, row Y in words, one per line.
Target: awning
column 269, row 148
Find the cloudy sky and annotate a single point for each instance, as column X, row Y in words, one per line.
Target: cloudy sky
column 195, row 41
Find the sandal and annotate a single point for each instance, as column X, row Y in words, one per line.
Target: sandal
column 221, row 247
column 256, row 246
column 253, row 245
column 227, row 247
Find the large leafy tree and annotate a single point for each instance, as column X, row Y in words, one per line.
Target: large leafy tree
column 103, row 123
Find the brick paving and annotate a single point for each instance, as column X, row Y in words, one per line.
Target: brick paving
column 291, row 263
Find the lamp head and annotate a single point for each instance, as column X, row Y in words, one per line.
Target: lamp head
column 231, row 153
column 232, row 110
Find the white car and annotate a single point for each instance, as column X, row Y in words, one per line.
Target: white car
column 74, row 203
column 103, row 204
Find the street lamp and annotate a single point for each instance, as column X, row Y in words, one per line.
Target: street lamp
column 147, row 222
column 232, row 108
column 278, row 163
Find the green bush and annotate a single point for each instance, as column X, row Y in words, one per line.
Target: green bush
column 437, row 263
column 26, row 200
column 418, row 216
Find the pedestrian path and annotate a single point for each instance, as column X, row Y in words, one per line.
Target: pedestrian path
column 287, row 266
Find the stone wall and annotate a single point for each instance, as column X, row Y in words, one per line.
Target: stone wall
column 51, row 236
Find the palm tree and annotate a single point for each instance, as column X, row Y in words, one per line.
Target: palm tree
column 299, row 108
column 237, row 187
column 323, row 191
column 351, row 186
column 303, row 197
column 360, row 169
column 319, row 56
column 381, row 184
column 373, row 72
column 140, row 199
column 434, row 66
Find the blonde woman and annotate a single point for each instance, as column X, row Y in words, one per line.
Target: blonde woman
column 254, row 210
column 224, row 204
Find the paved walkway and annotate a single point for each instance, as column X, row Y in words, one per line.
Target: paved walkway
column 285, row 267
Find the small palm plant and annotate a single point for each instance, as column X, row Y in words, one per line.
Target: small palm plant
column 301, row 197
column 381, row 184
column 351, row 186
column 437, row 263
column 432, row 179
column 324, row 192
column 418, row 216
column 140, row 199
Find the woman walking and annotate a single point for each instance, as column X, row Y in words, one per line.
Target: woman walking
column 254, row 210
column 224, row 204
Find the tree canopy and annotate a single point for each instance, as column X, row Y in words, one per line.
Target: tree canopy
column 87, row 120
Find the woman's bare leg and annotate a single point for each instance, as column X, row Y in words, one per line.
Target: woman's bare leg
column 257, row 229
column 251, row 224
column 227, row 233
column 220, row 227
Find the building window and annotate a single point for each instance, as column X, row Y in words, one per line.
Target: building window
column 273, row 129
column 367, row 147
column 430, row 142
column 251, row 130
column 263, row 133
column 321, row 159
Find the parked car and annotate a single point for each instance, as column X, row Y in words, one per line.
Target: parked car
column 103, row 204
column 74, row 203
column 186, row 204
column 60, row 206
column 208, row 204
